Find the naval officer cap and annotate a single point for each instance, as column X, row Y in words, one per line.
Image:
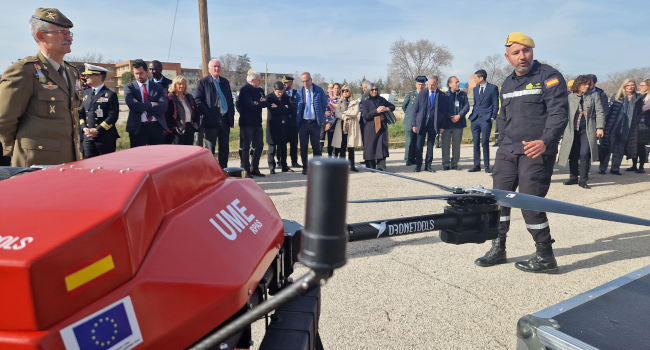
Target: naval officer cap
column 286, row 79
column 54, row 16
column 93, row 69
column 519, row 38
column 421, row 79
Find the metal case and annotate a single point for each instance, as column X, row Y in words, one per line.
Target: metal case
column 615, row 315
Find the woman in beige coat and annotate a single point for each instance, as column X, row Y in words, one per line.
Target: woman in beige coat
column 347, row 131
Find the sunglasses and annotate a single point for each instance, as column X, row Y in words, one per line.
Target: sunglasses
column 374, row 89
column 346, row 90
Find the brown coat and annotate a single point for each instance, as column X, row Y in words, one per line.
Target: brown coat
column 38, row 114
column 352, row 114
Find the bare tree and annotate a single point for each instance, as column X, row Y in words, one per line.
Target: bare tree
column 411, row 59
column 497, row 68
column 87, row 58
column 615, row 80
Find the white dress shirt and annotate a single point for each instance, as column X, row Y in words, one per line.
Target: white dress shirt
column 143, row 118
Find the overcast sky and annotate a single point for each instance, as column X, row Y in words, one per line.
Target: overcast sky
column 344, row 39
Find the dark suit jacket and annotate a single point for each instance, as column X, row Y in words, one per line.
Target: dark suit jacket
column 250, row 114
column 133, row 99
column 488, row 107
column 423, row 109
column 106, row 101
column 165, row 82
column 207, row 100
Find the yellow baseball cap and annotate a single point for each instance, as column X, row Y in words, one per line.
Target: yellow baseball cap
column 520, row 38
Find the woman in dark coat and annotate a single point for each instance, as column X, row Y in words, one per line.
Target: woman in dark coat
column 620, row 129
column 642, row 117
column 375, row 133
column 279, row 111
column 182, row 114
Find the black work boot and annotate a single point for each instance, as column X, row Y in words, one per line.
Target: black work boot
column 543, row 261
column 496, row 255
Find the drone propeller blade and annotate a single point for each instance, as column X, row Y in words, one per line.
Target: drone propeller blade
column 408, row 178
column 401, row 199
column 525, row 201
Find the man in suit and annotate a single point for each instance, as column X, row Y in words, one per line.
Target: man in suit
column 99, row 113
column 291, row 128
column 430, row 114
column 486, row 106
column 214, row 99
column 407, row 107
column 156, row 68
column 250, row 104
column 40, row 97
column 453, row 134
column 311, row 102
column 147, row 104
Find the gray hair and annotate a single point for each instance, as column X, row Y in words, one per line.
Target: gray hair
column 251, row 76
column 435, row 77
column 367, row 83
column 36, row 25
column 369, row 86
column 213, row 60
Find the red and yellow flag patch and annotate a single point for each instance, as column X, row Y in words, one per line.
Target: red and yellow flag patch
column 89, row 273
column 551, row 82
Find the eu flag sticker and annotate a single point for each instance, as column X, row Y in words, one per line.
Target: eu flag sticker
column 115, row 327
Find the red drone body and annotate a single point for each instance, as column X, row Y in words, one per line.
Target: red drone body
column 151, row 247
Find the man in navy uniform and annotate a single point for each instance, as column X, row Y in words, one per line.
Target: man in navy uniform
column 407, row 106
column 99, row 112
column 290, row 128
column 534, row 114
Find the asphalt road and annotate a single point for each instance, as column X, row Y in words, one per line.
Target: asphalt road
column 415, row 292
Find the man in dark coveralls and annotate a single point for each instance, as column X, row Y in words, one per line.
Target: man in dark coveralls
column 410, row 140
column 534, row 114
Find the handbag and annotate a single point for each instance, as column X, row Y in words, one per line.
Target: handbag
column 390, row 117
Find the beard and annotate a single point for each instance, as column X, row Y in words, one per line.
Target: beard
column 523, row 70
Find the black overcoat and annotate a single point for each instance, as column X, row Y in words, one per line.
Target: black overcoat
column 375, row 143
column 275, row 131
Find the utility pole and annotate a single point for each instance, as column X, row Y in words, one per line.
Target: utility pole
column 205, row 35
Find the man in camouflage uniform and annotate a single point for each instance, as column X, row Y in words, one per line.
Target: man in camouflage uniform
column 407, row 106
column 40, row 97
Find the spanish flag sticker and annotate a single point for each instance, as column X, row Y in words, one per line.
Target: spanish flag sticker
column 89, row 273
column 551, row 82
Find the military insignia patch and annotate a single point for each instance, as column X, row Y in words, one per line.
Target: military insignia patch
column 85, row 97
column 39, row 73
column 51, row 15
column 52, row 109
column 551, row 82
column 78, row 85
column 102, row 99
column 50, row 86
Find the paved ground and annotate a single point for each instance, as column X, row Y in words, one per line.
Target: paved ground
column 415, row 292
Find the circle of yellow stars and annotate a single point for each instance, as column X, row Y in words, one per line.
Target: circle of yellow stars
column 106, row 342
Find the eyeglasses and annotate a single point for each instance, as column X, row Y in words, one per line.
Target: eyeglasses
column 305, row 81
column 374, row 89
column 61, row 32
column 346, row 90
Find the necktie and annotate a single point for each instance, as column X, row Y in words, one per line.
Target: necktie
column 145, row 98
column 431, row 96
column 308, row 105
column 62, row 74
column 480, row 94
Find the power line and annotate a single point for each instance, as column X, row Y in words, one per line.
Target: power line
column 172, row 37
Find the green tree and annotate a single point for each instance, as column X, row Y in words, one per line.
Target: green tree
column 127, row 77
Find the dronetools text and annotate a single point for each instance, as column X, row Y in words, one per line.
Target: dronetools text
column 235, row 220
column 410, row 227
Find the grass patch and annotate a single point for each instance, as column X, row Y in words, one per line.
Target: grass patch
column 395, row 137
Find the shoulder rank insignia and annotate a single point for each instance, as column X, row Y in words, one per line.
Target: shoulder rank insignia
column 39, row 73
column 551, row 82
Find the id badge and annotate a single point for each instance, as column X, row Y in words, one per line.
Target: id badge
column 457, row 104
column 100, row 113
